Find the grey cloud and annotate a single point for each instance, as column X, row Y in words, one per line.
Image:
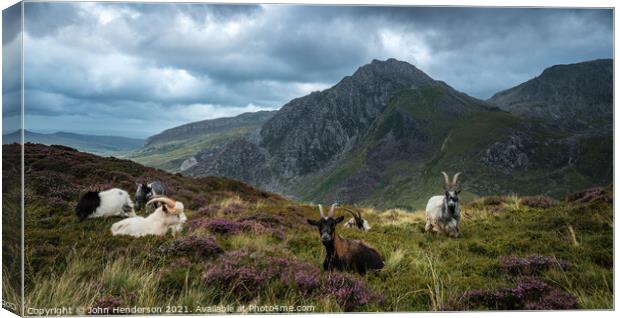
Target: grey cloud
column 99, row 59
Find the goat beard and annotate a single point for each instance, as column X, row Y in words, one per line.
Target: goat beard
column 452, row 210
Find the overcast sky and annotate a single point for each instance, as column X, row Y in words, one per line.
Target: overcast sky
column 137, row 69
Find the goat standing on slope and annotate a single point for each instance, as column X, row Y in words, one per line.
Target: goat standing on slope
column 344, row 254
column 357, row 221
column 443, row 213
column 169, row 216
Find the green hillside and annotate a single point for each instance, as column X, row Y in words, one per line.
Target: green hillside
column 170, row 148
column 243, row 246
column 456, row 140
column 170, row 155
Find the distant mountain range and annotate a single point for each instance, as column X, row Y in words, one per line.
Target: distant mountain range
column 102, row 145
column 382, row 135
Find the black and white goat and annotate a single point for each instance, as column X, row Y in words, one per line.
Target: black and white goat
column 344, row 254
column 443, row 213
column 146, row 191
column 169, row 216
column 112, row 202
column 357, row 222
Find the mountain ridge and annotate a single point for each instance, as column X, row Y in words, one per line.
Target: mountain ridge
column 208, row 126
column 577, row 97
column 381, row 135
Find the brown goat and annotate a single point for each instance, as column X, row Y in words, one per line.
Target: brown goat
column 344, row 254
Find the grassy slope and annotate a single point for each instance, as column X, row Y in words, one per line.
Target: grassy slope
column 456, row 146
column 72, row 263
column 170, row 155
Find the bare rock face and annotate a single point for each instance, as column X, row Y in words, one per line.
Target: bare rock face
column 510, row 155
column 388, row 129
column 188, row 163
column 313, row 131
column 575, row 97
column 240, row 159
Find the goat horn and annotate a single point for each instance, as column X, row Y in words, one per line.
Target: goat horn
column 456, row 178
column 446, row 178
column 321, row 211
column 170, row 204
column 331, row 210
column 350, row 211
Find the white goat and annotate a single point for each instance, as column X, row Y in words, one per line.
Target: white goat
column 112, row 202
column 443, row 213
column 169, row 216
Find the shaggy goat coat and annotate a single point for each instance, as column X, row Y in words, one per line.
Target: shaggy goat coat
column 105, row 203
column 440, row 219
column 157, row 223
column 343, row 254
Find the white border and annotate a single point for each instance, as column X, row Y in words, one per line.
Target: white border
column 482, row 3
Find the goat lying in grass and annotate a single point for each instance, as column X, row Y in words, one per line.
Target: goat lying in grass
column 357, row 221
column 169, row 216
column 112, row 202
column 344, row 254
column 443, row 213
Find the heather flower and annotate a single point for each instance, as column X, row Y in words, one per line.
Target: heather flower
column 232, row 273
column 199, row 246
column 209, row 210
column 219, row 226
column 591, row 195
column 529, row 293
column 233, row 209
column 245, row 277
column 265, row 219
column 349, row 291
column 539, row 201
column 230, row 227
column 532, row 264
column 555, row 299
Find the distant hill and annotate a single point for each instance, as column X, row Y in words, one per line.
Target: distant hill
column 382, row 136
column 210, row 126
column 103, row 145
column 175, row 148
column 573, row 97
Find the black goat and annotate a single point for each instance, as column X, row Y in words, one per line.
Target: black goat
column 146, row 191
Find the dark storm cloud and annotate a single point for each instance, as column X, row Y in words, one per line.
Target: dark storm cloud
column 11, row 64
column 106, row 59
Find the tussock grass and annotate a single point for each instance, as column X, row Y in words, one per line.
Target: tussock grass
column 70, row 263
column 235, row 199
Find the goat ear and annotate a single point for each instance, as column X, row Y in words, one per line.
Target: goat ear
column 458, row 191
column 339, row 219
column 312, row 222
column 164, row 208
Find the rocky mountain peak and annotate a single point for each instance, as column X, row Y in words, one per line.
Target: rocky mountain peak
column 392, row 70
